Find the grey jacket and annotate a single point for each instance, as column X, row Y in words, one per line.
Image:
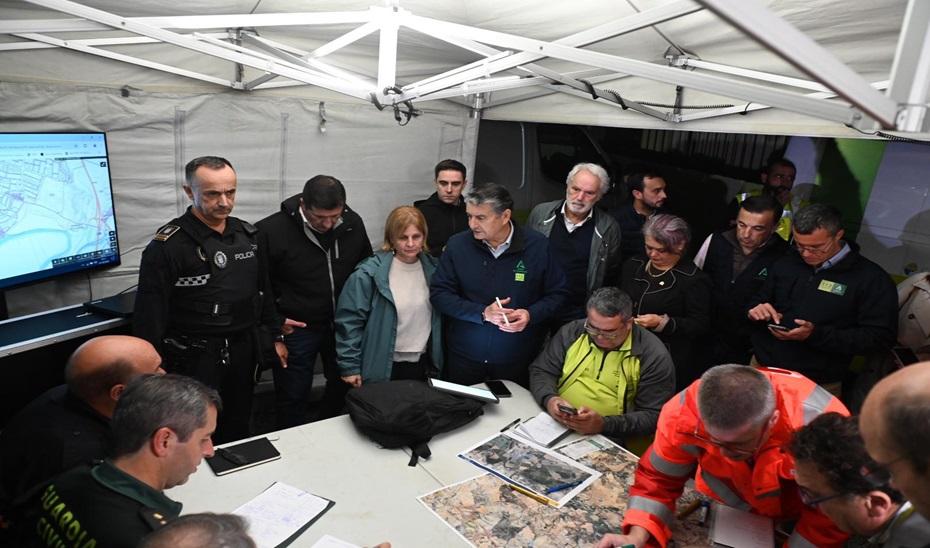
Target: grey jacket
column 604, row 264
column 656, row 378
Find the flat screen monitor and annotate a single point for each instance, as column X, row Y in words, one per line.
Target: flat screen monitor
column 56, row 206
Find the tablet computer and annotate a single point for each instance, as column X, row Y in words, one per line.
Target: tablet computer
column 474, row 392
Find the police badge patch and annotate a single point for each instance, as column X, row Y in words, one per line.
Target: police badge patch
column 220, row 260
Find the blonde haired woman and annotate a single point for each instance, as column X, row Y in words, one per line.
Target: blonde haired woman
column 386, row 327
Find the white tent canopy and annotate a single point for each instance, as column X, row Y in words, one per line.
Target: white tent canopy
column 287, row 89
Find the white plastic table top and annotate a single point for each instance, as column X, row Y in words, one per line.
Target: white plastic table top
column 374, row 489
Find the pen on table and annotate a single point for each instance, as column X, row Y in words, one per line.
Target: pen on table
column 562, row 487
column 510, row 425
column 532, row 495
column 499, row 305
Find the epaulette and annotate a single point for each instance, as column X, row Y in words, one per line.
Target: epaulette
column 165, row 232
column 155, row 519
column 249, row 228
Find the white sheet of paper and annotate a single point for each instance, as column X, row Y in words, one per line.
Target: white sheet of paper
column 585, row 447
column 278, row 512
column 542, row 429
column 329, row 541
column 741, row 529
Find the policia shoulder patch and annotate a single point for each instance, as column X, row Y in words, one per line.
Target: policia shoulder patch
column 166, row 232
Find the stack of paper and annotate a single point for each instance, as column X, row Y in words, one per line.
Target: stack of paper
column 542, row 429
column 280, row 513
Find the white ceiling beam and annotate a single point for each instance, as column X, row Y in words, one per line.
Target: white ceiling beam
column 279, row 67
column 784, row 39
column 83, row 48
column 630, row 23
column 503, row 83
column 550, row 89
column 387, row 52
column 752, row 107
column 96, row 42
column 751, row 92
column 476, row 64
column 749, row 73
column 910, row 73
column 313, row 64
column 193, row 22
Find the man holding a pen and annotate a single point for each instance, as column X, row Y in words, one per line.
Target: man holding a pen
column 498, row 284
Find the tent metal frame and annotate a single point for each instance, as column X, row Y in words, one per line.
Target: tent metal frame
column 834, row 92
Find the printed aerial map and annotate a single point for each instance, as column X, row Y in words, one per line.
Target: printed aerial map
column 487, row 513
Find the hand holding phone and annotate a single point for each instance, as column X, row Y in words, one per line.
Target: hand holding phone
column 778, row 327
column 567, row 409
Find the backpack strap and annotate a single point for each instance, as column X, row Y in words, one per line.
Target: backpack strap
column 418, row 450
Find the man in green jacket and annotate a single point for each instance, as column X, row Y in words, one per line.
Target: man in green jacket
column 604, row 374
column 584, row 239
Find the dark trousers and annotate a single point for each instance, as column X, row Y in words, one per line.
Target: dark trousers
column 292, row 385
column 411, row 370
column 461, row 370
column 226, row 363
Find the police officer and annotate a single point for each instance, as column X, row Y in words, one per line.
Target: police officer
column 200, row 301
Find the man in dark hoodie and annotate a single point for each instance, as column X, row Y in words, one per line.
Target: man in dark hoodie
column 312, row 244
column 444, row 209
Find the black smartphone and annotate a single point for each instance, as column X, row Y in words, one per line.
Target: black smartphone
column 498, row 388
column 904, row 356
column 568, row 409
column 778, row 327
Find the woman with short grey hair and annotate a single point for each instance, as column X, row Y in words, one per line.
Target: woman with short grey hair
column 671, row 296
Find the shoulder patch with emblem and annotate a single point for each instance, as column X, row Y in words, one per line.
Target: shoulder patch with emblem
column 166, row 232
column 155, row 519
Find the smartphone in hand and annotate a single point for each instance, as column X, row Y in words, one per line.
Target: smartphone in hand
column 778, row 327
column 567, row 409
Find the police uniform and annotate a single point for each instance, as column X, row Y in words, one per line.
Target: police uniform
column 100, row 506
column 200, row 302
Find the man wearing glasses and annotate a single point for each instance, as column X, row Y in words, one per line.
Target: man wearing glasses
column 777, row 181
column 727, row 432
column 604, row 374
column 822, row 304
column 895, row 424
column 836, row 475
column 313, row 243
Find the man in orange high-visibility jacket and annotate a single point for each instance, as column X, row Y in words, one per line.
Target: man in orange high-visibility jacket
column 728, row 431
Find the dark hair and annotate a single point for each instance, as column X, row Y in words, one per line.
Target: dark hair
column 763, row 203
column 497, row 196
column 151, row 402
column 449, row 165
column 206, row 529
column 907, row 419
column 780, row 162
column 814, row 216
column 731, row 396
column 96, row 383
column 833, row 444
column 324, row 192
column 209, row 162
column 611, row 302
column 637, row 180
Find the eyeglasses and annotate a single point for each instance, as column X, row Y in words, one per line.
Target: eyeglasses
column 878, row 474
column 734, row 448
column 608, row 335
column 813, row 501
column 818, row 249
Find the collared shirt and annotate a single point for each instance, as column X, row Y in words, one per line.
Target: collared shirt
column 570, row 226
column 109, row 475
column 499, row 250
column 832, row 261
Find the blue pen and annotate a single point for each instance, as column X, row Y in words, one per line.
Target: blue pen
column 562, row 487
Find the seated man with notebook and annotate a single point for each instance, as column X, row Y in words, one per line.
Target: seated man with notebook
column 604, row 374
column 161, row 430
column 728, row 431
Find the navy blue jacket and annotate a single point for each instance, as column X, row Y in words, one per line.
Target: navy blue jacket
column 469, row 278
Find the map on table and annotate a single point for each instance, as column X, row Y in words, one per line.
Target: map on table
column 486, row 513
column 532, row 467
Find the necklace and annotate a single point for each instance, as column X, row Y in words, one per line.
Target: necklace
column 661, row 273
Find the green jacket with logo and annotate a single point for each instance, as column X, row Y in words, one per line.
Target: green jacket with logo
column 654, row 384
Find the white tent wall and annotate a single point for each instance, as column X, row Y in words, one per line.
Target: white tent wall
column 274, row 142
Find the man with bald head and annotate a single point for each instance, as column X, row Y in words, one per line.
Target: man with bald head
column 895, row 424
column 69, row 424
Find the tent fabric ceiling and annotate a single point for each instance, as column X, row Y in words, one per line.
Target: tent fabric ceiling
column 862, row 34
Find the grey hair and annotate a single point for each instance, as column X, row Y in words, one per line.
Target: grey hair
column 814, row 216
column 200, row 530
column 611, row 302
column 151, row 402
column 593, row 169
column 493, row 194
column 732, row 396
column 669, row 230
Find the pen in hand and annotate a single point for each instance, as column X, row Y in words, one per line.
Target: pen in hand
column 499, row 305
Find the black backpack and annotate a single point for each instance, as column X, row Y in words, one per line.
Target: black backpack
column 408, row 413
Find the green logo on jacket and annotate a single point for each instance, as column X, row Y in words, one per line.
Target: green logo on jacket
column 519, row 272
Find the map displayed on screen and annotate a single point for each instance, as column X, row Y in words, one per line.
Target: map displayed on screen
column 56, row 206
